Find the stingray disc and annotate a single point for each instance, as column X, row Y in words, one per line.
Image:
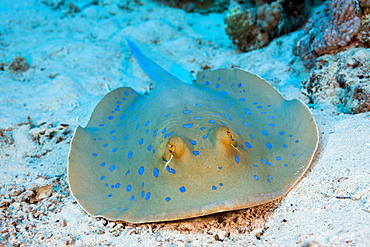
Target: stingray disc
column 230, row 141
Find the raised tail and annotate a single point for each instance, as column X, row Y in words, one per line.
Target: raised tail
column 159, row 75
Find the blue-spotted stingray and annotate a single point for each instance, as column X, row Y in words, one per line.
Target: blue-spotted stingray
column 227, row 142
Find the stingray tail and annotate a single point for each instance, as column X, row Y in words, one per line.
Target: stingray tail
column 152, row 69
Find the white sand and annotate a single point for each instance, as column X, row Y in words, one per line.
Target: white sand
column 76, row 60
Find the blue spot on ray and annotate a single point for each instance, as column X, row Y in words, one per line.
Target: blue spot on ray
column 264, row 132
column 168, row 134
column 182, row 189
column 228, row 116
column 155, row 172
column 129, row 155
column 188, row 125
column 141, row 170
column 141, row 141
column 170, row 170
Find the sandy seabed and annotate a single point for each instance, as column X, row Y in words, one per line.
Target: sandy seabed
column 76, row 58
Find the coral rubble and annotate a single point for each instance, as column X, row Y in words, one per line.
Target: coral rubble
column 338, row 25
column 252, row 24
column 341, row 81
column 18, row 65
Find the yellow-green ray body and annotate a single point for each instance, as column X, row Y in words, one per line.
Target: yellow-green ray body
column 230, row 141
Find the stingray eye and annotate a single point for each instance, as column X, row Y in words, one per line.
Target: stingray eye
column 229, row 134
column 224, row 135
column 171, row 148
column 175, row 146
column 233, row 142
